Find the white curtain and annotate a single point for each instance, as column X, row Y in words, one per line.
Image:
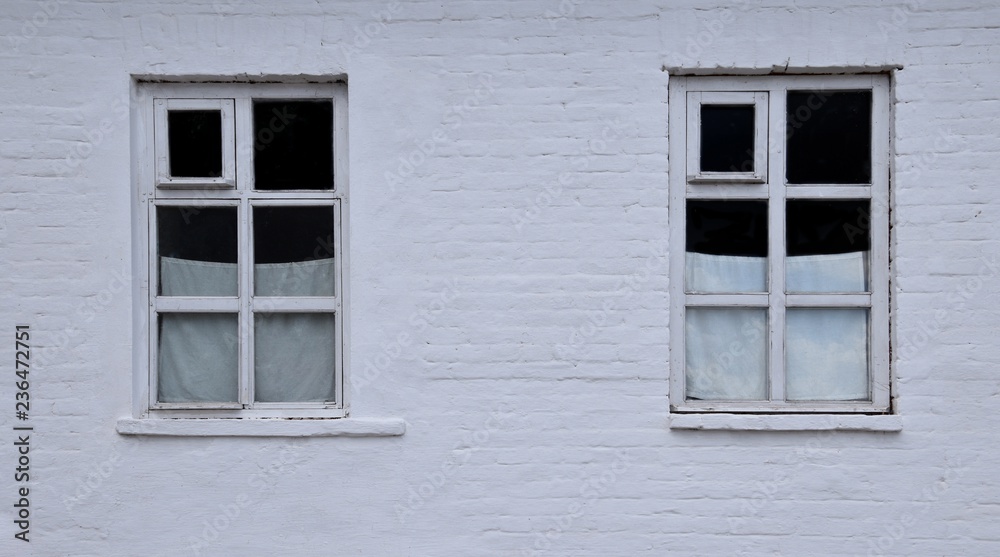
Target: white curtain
column 726, row 353
column 307, row 278
column 826, row 351
column 199, row 352
column 199, row 357
column 183, row 277
column 837, row 272
column 826, row 354
column 724, row 273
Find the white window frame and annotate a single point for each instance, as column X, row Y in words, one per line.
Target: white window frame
column 235, row 189
column 688, row 183
column 695, row 100
column 163, row 177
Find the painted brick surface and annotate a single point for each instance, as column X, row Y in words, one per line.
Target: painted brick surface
column 509, row 221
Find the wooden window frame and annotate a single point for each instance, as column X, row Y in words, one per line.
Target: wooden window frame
column 154, row 189
column 689, row 183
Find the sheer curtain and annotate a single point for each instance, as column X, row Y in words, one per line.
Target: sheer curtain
column 826, row 348
column 199, row 352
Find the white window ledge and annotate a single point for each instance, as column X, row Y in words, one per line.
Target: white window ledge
column 269, row 427
column 778, row 422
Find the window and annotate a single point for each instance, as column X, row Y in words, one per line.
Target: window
column 243, row 202
column 780, row 299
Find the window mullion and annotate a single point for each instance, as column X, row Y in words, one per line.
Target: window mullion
column 246, row 309
column 776, row 243
column 244, row 184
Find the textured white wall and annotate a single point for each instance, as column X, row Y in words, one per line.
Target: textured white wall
column 509, row 292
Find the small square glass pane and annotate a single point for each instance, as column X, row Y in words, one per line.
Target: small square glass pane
column 294, row 357
column 828, row 245
column 293, row 145
column 826, row 356
column 195, row 140
column 197, row 251
column 198, row 356
column 829, row 137
column 293, row 251
column 725, row 353
column 727, row 133
column 726, row 246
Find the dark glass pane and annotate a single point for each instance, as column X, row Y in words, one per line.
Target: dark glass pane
column 197, row 251
column 727, row 227
column 727, row 138
column 289, row 234
column 817, row 227
column 293, row 251
column 195, row 138
column 199, row 233
column 829, row 137
column 293, row 145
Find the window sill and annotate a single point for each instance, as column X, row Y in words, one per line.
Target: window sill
column 270, row 427
column 777, row 422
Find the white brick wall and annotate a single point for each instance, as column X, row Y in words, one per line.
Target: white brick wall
column 524, row 260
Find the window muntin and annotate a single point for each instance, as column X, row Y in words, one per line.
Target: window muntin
column 801, row 325
column 245, row 282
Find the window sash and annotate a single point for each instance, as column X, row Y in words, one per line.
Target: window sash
column 161, row 144
column 776, row 191
column 694, row 101
column 246, row 306
column 238, row 144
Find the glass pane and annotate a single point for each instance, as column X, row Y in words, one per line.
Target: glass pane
column 726, row 353
column 293, row 251
column 826, row 356
column 195, row 139
column 198, row 357
column 727, row 138
column 726, row 246
column 293, row 145
column 294, row 357
column 828, row 245
column 829, row 137
column 197, row 251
